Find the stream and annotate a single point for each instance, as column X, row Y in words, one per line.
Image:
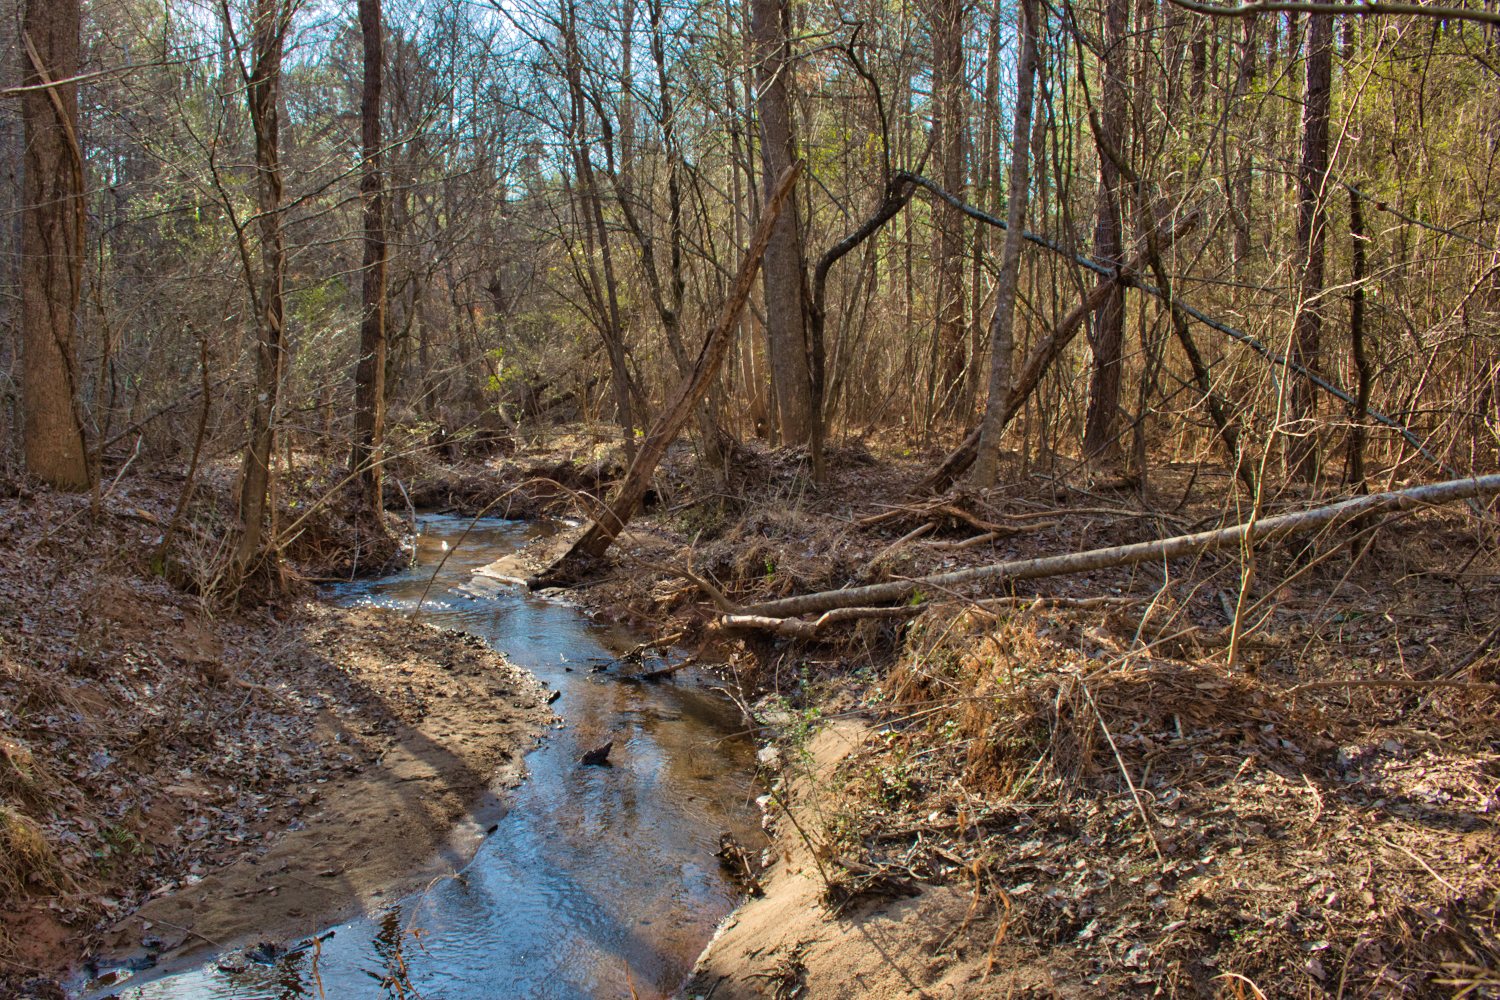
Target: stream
column 599, row 882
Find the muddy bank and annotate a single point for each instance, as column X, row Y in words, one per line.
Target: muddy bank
column 222, row 772
column 599, row 881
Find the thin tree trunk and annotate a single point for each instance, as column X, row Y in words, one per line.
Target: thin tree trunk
column 271, row 20
column 948, row 124
column 688, row 395
column 52, row 236
column 369, row 374
column 1002, row 326
column 1243, row 193
column 1358, row 237
column 1312, row 175
column 593, row 222
column 1107, row 332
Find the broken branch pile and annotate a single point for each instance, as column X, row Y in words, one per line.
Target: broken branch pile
column 775, row 615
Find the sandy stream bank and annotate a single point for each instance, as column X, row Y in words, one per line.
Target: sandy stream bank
column 175, row 777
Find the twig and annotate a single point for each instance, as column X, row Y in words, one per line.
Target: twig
column 908, row 537
column 188, row 930
column 1124, row 772
column 1428, row 868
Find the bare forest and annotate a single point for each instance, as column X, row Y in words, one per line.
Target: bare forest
column 1032, row 464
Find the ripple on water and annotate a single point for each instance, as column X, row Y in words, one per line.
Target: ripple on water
column 599, row 880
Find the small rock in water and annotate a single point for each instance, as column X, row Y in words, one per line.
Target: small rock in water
column 265, row 953
column 598, row 755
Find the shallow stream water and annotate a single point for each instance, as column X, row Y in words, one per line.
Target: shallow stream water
column 600, row 882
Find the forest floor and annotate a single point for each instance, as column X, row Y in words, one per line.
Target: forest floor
column 1065, row 789
column 986, row 795
column 176, row 774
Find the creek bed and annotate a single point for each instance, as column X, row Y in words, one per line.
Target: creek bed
column 598, row 882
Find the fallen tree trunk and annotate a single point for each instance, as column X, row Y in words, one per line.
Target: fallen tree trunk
column 627, row 500
column 1266, row 529
column 796, row 628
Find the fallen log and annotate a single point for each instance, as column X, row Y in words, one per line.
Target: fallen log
column 627, row 500
column 1265, row 529
column 796, row 628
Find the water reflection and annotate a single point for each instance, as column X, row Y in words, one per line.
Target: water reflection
column 600, row 881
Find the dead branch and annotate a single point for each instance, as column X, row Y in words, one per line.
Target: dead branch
column 1267, row 529
column 796, row 628
column 910, row 536
column 608, row 525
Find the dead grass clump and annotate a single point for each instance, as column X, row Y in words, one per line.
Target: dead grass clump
column 27, row 862
column 21, row 778
column 1030, row 708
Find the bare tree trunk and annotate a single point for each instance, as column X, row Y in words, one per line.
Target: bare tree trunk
column 1242, row 195
column 948, row 124
column 1312, row 175
column 1358, row 237
column 369, row 374
column 593, row 221
column 272, row 19
column 1107, row 332
column 785, row 271
column 52, row 235
column 1002, row 327
column 988, row 196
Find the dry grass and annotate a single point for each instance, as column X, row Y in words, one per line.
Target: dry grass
column 1171, row 823
column 27, row 861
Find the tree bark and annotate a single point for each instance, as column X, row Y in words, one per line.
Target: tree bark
column 785, row 265
column 369, row 374
column 52, row 235
column 272, row 18
column 1312, row 176
column 1358, row 237
column 1179, row 546
column 1002, row 326
column 1107, row 332
column 949, row 123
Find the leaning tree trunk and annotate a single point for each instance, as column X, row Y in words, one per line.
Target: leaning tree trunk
column 52, row 234
column 1002, row 326
column 369, row 373
column 689, row 393
column 272, row 18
